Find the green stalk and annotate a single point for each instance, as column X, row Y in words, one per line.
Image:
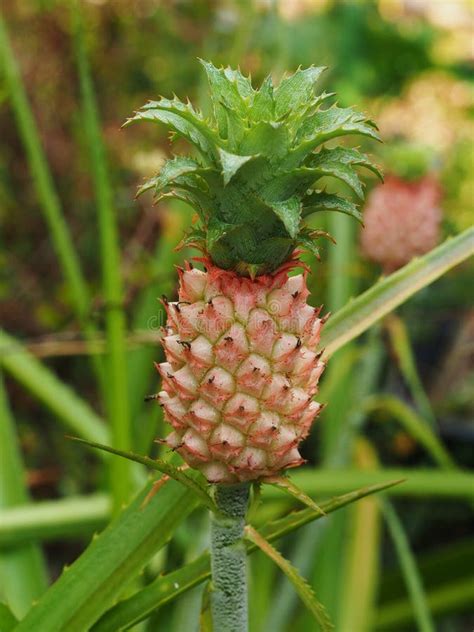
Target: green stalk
column 229, row 599
column 409, row 569
column 117, row 394
column 22, row 568
column 45, row 189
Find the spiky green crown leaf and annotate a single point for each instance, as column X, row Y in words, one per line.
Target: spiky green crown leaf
column 260, row 160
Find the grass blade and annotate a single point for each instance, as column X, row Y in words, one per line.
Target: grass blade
column 39, row 520
column 383, row 297
column 358, row 591
column 117, row 390
column 42, row 177
column 48, row 520
column 191, row 482
column 113, row 559
column 301, row 586
column 45, row 189
column 400, row 342
column 165, row 588
column 284, row 483
column 418, row 483
column 22, row 568
column 409, row 569
column 70, row 409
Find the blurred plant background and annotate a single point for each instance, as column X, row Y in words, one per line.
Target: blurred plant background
column 400, row 397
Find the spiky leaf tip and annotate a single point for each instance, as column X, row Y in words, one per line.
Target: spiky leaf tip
column 260, row 158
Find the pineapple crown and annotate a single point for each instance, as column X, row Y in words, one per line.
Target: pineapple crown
column 254, row 181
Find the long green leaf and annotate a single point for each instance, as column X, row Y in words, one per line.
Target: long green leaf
column 45, row 189
column 39, row 520
column 287, row 485
column 406, row 361
column 301, row 586
column 113, row 559
column 365, row 310
column 47, row 520
column 117, row 390
column 358, row 590
column 409, row 569
column 70, row 409
column 22, row 568
column 419, row 483
column 163, row 589
column 42, row 177
column 191, row 482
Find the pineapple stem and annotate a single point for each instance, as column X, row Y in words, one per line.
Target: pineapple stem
column 229, row 559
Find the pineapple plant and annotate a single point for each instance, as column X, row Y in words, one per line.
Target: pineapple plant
column 401, row 220
column 241, row 343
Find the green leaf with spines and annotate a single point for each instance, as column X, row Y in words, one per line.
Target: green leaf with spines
column 193, row 199
column 193, row 237
column 321, row 201
column 216, row 231
column 225, row 94
column 197, row 486
column 166, row 588
column 263, row 106
column 301, row 586
column 266, row 138
column 243, row 83
column 182, row 119
column 296, row 91
column 343, row 155
column 231, row 163
column 306, row 241
column 234, row 129
column 170, row 170
column 342, row 172
column 325, row 125
column 289, row 213
column 257, row 153
column 286, row 484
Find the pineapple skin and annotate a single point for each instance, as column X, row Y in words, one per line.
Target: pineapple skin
column 241, row 372
column 401, row 221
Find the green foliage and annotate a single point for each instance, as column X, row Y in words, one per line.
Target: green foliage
column 59, row 278
column 302, row 587
column 388, row 293
column 166, row 588
column 95, row 581
column 257, row 174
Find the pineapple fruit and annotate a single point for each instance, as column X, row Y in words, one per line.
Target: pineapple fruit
column 241, row 343
column 401, row 221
